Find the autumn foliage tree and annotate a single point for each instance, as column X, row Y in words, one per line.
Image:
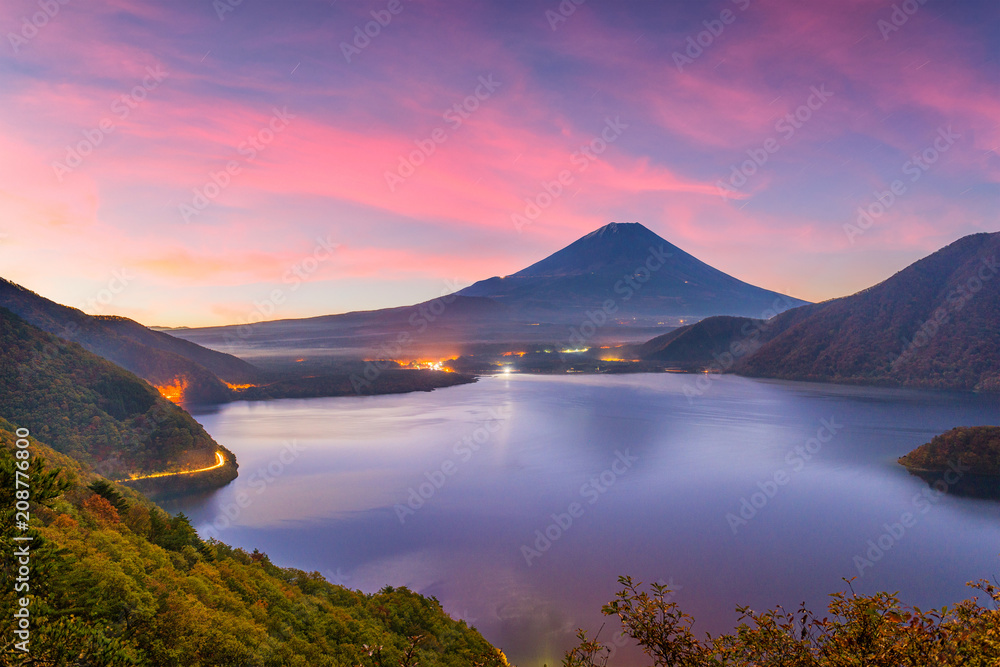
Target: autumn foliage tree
column 860, row 631
column 117, row 581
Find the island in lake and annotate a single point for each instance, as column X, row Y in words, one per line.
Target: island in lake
column 964, row 461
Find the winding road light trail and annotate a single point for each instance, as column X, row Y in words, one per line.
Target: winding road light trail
column 220, row 461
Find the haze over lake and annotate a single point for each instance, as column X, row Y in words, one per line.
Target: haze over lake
column 647, row 475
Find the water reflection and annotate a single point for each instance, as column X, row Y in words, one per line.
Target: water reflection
column 478, row 469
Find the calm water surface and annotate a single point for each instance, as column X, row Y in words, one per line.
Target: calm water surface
column 452, row 492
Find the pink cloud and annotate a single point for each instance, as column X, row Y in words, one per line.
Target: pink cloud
column 352, row 126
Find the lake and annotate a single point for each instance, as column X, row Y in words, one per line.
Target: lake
column 517, row 501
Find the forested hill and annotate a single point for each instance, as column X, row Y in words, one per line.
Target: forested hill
column 117, row 582
column 159, row 358
column 92, row 410
column 716, row 341
column 936, row 323
column 970, row 449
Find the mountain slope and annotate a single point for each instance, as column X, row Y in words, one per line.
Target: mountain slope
column 649, row 281
column 94, row 411
column 701, row 345
column 436, row 328
column 159, row 358
column 704, row 343
column 934, row 324
column 118, row 582
column 648, row 278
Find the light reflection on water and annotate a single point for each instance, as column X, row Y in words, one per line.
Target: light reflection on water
column 522, row 448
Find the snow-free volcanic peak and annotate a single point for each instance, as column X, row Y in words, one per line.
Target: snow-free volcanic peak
column 648, row 279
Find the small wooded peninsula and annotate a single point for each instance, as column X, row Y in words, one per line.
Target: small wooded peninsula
column 965, row 460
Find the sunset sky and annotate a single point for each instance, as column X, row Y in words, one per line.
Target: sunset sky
column 119, row 116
